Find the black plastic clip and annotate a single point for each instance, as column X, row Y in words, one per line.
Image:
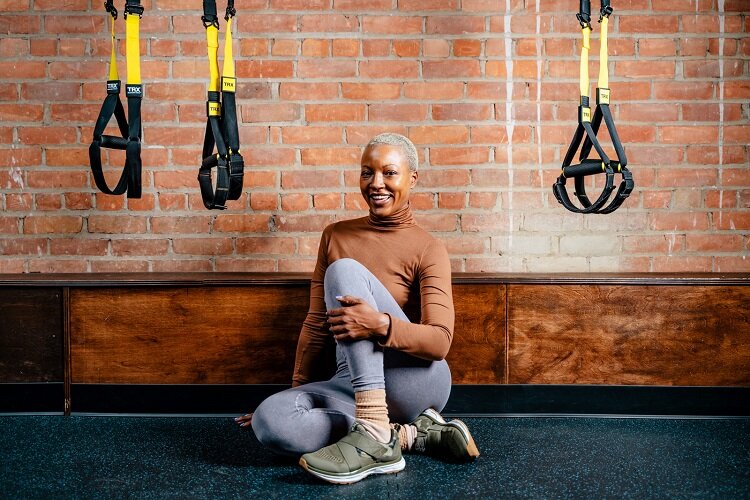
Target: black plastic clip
column 584, row 19
column 210, row 21
column 134, row 8
column 110, row 7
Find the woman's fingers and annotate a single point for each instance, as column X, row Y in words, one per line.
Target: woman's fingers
column 336, row 312
column 244, row 420
column 348, row 300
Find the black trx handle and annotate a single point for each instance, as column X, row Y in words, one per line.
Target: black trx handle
column 588, row 128
column 130, row 127
column 221, row 126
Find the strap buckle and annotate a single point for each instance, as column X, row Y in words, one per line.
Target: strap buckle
column 627, row 179
column 584, row 19
column 236, row 165
column 134, row 8
column 110, row 7
column 230, row 13
column 210, row 21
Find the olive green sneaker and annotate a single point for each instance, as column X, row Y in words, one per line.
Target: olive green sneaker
column 446, row 440
column 354, row 457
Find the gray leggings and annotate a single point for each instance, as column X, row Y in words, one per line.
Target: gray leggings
column 311, row 416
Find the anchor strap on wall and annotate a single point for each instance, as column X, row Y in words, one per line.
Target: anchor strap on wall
column 129, row 139
column 221, row 110
column 587, row 130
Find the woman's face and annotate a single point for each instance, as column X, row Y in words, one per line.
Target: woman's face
column 385, row 179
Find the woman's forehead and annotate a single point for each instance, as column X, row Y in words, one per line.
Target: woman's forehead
column 384, row 154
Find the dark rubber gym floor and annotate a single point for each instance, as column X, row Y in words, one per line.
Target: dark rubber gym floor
column 175, row 457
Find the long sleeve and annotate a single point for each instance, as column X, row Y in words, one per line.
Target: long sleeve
column 311, row 359
column 432, row 337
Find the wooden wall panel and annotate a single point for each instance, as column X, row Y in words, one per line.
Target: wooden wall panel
column 646, row 335
column 31, row 335
column 207, row 335
column 477, row 355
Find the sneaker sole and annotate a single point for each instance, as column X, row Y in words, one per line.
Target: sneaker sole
column 434, row 416
column 471, row 447
column 353, row 477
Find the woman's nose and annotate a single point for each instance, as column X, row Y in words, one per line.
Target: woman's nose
column 377, row 180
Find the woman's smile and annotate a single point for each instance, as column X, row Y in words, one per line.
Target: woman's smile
column 380, row 199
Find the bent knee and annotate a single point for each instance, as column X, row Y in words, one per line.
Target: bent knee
column 271, row 424
column 344, row 267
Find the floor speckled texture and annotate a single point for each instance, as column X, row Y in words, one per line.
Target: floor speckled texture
column 157, row 457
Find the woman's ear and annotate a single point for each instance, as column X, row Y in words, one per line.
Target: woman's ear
column 414, row 176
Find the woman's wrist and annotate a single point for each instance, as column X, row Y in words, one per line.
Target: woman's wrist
column 384, row 325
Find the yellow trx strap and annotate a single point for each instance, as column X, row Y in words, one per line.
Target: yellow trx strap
column 603, row 82
column 228, row 69
column 133, row 49
column 228, row 81
column 588, row 127
column 129, row 139
column 113, row 75
column 221, row 143
column 212, row 42
column 583, row 80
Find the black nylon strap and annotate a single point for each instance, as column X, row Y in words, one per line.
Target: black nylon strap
column 222, row 132
column 232, row 135
column 130, row 127
column 112, row 106
column 133, row 151
column 587, row 131
column 214, row 199
column 626, row 185
column 584, row 128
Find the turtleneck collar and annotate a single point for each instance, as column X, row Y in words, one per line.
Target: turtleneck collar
column 400, row 218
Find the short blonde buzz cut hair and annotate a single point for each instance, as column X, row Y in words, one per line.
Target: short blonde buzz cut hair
column 393, row 139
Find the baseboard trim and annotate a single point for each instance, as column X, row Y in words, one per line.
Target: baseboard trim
column 592, row 400
column 42, row 398
column 478, row 400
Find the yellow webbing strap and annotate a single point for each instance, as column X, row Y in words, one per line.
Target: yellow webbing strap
column 584, row 78
column 212, row 41
column 133, row 49
column 603, row 56
column 228, row 69
column 113, row 75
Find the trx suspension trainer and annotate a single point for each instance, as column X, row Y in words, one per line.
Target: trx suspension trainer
column 129, row 139
column 590, row 127
column 221, row 110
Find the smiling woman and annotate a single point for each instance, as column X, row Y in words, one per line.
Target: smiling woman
column 391, row 378
column 389, row 171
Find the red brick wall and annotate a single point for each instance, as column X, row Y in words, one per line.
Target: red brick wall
column 318, row 78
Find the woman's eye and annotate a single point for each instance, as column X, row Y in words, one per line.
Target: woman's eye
column 366, row 174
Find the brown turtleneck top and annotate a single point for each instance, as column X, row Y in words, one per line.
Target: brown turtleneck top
column 409, row 262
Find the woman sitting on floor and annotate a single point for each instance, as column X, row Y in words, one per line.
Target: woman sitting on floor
column 391, row 377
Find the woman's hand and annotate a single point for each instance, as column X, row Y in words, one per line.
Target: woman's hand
column 244, row 420
column 357, row 320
